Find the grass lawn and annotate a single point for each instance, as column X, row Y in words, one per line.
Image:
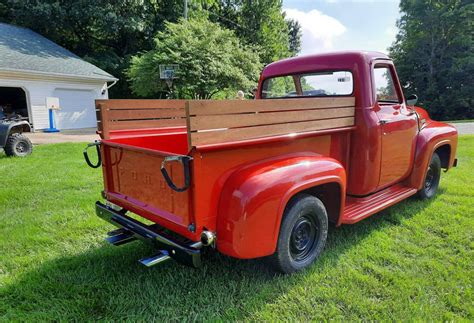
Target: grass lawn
column 460, row 121
column 413, row 261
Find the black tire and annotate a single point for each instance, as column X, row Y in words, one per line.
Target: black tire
column 303, row 234
column 18, row 145
column 432, row 177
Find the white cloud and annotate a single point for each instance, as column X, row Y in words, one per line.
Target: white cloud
column 319, row 30
column 391, row 31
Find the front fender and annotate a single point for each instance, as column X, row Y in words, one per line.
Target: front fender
column 433, row 135
column 7, row 127
column 254, row 198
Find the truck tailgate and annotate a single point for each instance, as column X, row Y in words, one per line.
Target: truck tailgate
column 133, row 180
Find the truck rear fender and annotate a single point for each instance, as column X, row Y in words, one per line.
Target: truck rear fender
column 433, row 137
column 254, row 198
column 12, row 127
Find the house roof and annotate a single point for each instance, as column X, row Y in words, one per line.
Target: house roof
column 23, row 50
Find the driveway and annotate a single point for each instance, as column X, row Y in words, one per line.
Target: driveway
column 78, row 135
column 465, row 128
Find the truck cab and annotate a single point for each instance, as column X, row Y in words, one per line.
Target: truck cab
column 330, row 138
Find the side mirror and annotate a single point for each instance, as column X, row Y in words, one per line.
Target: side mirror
column 412, row 99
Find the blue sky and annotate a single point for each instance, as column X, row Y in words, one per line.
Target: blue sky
column 345, row 24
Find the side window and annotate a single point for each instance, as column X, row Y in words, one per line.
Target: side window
column 384, row 86
column 279, row 87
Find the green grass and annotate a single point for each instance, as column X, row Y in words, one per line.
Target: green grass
column 413, row 261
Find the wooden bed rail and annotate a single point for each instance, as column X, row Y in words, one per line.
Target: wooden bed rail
column 138, row 114
column 211, row 121
column 219, row 121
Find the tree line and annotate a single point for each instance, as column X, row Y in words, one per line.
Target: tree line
column 224, row 44
column 130, row 38
column 434, row 55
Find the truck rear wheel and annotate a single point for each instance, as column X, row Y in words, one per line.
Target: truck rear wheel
column 303, row 234
column 432, row 177
column 18, row 145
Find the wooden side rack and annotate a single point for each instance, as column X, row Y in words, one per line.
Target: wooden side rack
column 219, row 121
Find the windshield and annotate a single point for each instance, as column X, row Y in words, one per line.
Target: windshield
column 335, row 83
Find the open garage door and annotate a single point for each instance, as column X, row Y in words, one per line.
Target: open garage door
column 13, row 102
column 77, row 109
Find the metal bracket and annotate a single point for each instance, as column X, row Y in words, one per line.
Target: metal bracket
column 86, row 156
column 184, row 160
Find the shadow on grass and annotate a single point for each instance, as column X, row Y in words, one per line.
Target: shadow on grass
column 108, row 283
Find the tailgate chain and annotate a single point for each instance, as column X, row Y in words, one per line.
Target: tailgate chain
column 184, row 160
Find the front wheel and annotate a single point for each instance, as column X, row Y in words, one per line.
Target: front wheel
column 18, row 145
column 432, row 177
column 303, row 234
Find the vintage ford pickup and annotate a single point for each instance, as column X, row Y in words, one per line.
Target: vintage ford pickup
column 329, row 138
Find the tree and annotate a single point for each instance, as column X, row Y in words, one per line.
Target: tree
column 260, row 23
column 294, row 34
column 103, row 32
column 434, row 55
column 212, row 62
column 108, row 33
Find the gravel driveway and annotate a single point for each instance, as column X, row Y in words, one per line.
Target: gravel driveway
column 79, row 135
column 464, row 128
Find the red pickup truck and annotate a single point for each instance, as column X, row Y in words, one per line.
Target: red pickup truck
column 329, row 138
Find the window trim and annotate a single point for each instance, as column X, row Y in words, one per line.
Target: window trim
column 298, row 76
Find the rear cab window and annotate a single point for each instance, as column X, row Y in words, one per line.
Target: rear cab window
column 318, row 84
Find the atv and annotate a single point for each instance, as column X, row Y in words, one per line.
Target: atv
column 12, row 139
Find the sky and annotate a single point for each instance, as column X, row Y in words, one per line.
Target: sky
column 330, row 25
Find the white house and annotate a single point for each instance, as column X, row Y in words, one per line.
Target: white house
column 33, row 68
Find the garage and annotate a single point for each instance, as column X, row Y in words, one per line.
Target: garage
column 13, row 102
column 29, row 75
column 77, row 109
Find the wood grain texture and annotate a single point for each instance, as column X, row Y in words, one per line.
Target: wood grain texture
column 239, row 134
column 142, row 104
column 265, row 118
column 138, row 114
column 213, row 107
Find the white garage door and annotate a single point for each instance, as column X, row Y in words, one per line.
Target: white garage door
column 77, row 109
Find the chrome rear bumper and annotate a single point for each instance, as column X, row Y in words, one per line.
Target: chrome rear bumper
column 182, row 250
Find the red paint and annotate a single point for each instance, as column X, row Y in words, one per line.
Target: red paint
column 239, row 190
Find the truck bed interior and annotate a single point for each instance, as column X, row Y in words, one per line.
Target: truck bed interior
column 168, row 142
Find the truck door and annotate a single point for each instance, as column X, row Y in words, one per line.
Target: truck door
column 398, row 126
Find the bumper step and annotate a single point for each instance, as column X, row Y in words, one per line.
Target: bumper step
column 129, row 229
column 121, row 238
column 160, row 257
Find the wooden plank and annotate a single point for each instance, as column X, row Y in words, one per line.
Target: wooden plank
column 239, row 134
column 213, row 107
column 142, row 104
column 103, row 125
column 188, row 126
column 137, row 114
column 145, row 124
column 253, row 119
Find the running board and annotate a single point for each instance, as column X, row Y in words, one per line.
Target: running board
column 359, row 208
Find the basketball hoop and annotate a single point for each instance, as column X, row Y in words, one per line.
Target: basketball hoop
column 168, row 73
